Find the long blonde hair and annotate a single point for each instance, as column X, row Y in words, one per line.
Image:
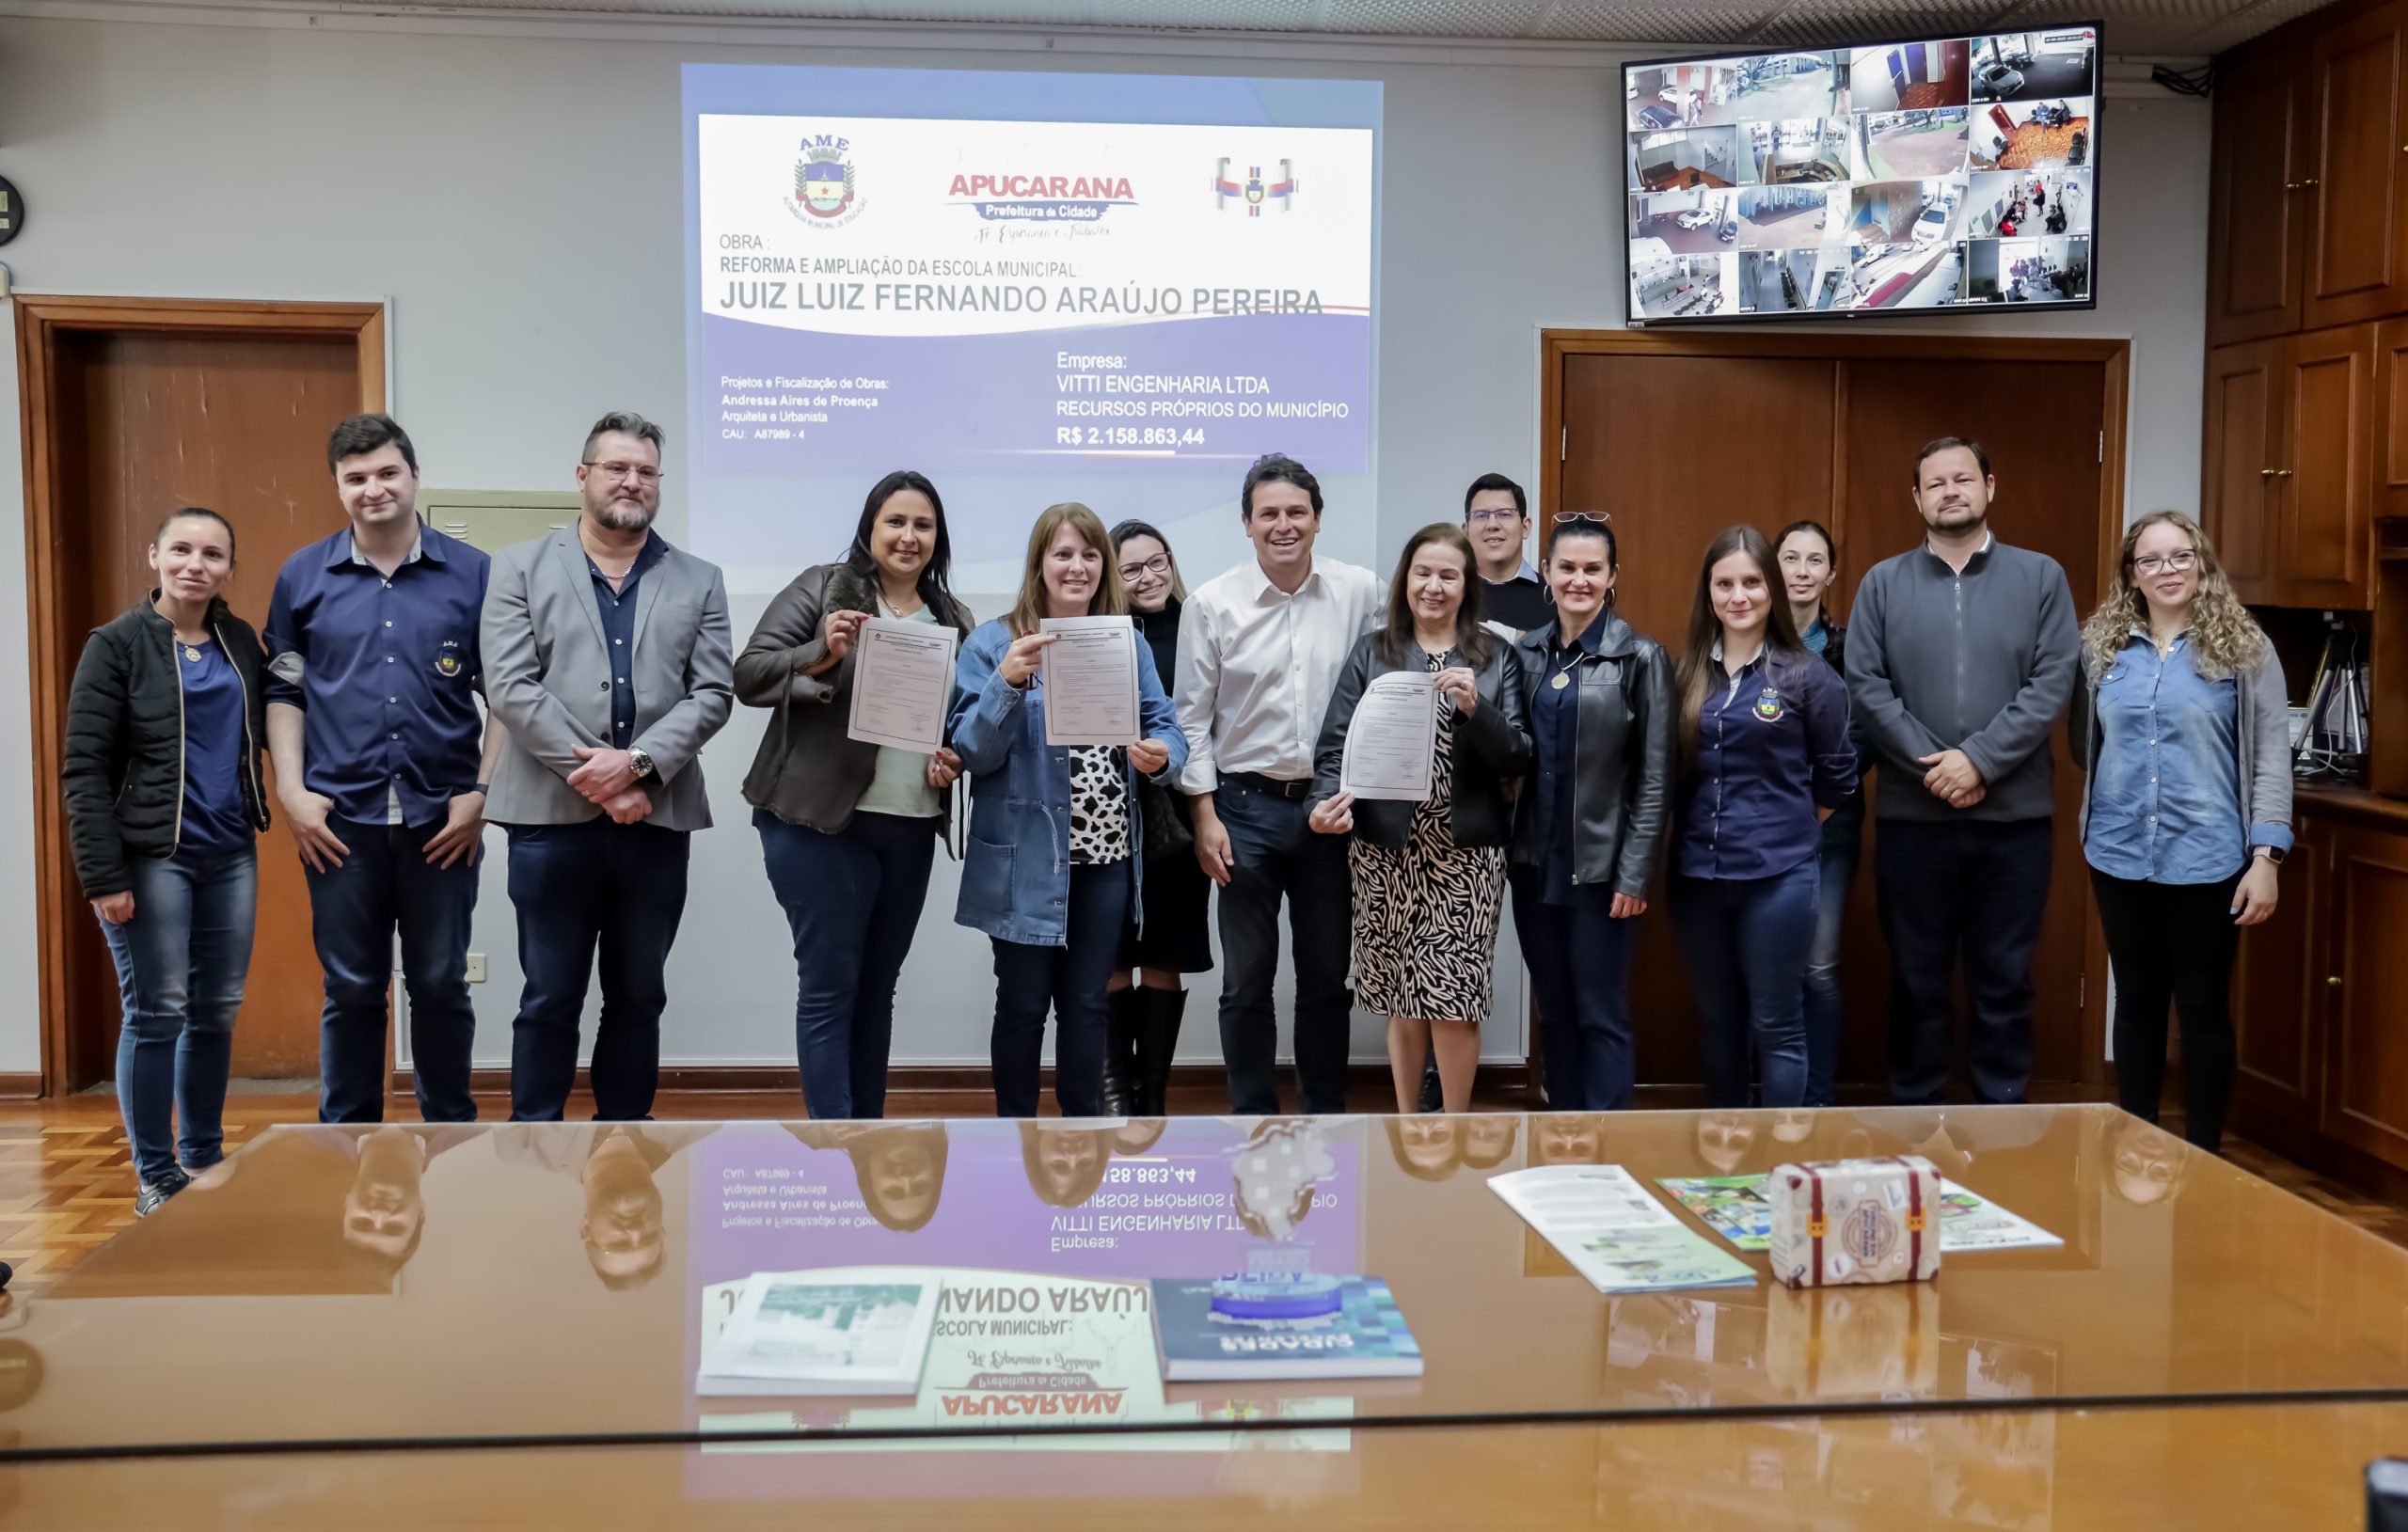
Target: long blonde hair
column 2224, row 638
column 1111, row 598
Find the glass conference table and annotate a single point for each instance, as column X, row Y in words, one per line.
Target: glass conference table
column 365, row 1316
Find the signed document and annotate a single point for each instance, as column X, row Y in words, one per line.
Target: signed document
column 902, row 680
column 1090, row 674
column 1392, row 742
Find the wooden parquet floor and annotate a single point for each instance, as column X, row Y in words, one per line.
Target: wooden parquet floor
column 67, row 1174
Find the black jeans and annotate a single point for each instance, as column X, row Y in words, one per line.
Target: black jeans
column 2172, row 944
column 1579, row 959
column 1274, row 856
column 575, row 887
column 386, row 881
column 1070, row 981
column 1969, row 886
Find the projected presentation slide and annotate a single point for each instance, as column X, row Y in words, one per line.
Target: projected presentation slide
column 1934, row 174
column 1025, row 274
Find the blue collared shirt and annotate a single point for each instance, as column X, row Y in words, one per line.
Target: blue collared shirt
column 1772, row 745
column 1555, row 732
column 2165, row 807
column 386, row 671
column 618, row 609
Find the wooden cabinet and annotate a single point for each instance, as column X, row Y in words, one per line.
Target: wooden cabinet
column 2366, row 1092
column 2279, row 998
column 2256, row 220
column 2356, row 190
column 2288, row 483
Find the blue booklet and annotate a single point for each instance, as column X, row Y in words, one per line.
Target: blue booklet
column 1363, row 1336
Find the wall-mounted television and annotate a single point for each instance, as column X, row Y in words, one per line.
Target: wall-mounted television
column 1937, row 175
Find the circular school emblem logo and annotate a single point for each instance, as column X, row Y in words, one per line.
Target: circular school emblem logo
column 1768, row 705
column 448, row 665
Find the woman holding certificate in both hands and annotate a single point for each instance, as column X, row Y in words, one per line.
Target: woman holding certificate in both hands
column 849, row 828
column 1424, row 730
column 1051, row 869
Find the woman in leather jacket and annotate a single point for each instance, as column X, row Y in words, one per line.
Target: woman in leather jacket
column 1589, row 821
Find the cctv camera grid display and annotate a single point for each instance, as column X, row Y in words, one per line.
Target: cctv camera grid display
column 1956, row 172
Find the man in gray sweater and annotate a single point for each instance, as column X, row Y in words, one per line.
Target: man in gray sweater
column 1961, row 654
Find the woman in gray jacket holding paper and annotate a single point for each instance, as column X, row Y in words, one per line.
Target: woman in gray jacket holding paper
column 2185, row 730
column 848, row 828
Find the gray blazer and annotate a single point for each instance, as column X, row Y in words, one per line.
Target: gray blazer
column 548, row 679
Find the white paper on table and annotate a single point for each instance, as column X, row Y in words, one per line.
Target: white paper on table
column 1613, row 1232
column 1392, row 740
column 861, row 1329
column 902, row 680
column 1090, row 674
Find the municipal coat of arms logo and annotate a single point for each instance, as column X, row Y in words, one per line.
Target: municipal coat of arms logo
column 1254, row 190
column 825, row 189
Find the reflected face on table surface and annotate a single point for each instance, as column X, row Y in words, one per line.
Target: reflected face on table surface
column 385, row 1211
column 2148, row 1162
column 1429, row 1147
column 1065, row 1165
column 1724, row 1139
column 622, row 1228
column 1568, row 1138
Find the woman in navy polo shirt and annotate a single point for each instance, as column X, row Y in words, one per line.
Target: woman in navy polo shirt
column 165, row 724
column 1764, row 758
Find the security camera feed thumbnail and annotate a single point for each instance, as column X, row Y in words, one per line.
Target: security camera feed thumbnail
column 1952, row 173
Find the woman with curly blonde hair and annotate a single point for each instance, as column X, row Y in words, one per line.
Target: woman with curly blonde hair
column 2185, row 733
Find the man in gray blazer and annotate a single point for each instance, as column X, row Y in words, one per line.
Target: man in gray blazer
column 607, row 654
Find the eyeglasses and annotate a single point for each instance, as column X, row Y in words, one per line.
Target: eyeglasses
column 643, row 473
column 1562, row 516
column 1493, row 513
column 2158, row 564
column 1158, row 565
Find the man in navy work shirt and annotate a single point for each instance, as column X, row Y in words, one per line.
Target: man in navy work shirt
column 371, row 720
column 608, row 654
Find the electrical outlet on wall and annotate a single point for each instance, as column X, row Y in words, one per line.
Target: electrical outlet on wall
column 476, row 968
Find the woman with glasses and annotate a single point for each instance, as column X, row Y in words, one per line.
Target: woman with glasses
column 1586, row 827
column 2185, row 731
column 849, row 830
column 1143, row 1030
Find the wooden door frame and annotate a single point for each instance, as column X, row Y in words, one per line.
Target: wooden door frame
column 43, row 325
column 1836, row 344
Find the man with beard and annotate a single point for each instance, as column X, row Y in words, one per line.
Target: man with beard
column 371, row 719
column 607, row 655
column 1961, row 654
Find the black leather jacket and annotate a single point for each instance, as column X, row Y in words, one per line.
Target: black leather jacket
column 1492, row 747
column 1622, row 779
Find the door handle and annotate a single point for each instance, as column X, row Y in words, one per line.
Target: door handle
column 2309, row 182
column 2282, row 473
column 2265, row 473
column 2333, row 981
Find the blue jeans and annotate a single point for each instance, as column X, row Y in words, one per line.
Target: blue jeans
column 1069, row 982
column 181, row 962
column 1579, row 959
column 575, row 887
column 1746, row 940
column 1274, row 856
column 386, row 881
column 1825, row 1012
column 853, row 900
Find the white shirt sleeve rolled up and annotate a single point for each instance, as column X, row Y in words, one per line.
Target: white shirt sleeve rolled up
column 1256, row 668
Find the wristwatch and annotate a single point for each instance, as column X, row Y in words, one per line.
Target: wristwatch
column 641, row 764
column 2271, row 853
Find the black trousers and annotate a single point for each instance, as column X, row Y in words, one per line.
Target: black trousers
column 1971, row 889
column 2172, row 944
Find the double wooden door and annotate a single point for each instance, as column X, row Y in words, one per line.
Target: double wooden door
column 1677, row 438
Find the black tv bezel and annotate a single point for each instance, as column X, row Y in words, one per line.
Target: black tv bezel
column 1632, row 319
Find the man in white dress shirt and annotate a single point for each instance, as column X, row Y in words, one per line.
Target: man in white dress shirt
column 1260, row 650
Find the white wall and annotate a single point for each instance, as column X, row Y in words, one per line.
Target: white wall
column 513, row 190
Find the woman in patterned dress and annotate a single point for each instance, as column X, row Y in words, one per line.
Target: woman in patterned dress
column 1050, row 871
column 1430, row 877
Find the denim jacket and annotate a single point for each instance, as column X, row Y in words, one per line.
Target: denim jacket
column 1016, row 864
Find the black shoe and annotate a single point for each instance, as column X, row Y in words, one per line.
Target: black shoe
column 1433, row 1099
column 151, row 1195
column 1119, row 1048
column 1159, row 1012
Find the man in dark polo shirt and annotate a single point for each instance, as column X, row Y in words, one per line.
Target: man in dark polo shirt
column 380, row 766
column 1497, row 518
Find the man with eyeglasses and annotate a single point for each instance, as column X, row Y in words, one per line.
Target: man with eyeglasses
column 380, row 766
column 1260, row 649
column 1497, row 518
column 609, row 655
column 1961, row 654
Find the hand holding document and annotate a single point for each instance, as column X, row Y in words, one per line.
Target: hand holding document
column 1392, row 740
column 902, row 679
column 1090, row 674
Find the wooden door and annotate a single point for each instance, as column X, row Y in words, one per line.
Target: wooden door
column 2325, row 396
column 2238, row 485
column 2255, row 218
column 2357, row 194
column 2280, row 1001
column 2365, row 1097
column 2040, row 423
column 1654, row 437
column 137, row 410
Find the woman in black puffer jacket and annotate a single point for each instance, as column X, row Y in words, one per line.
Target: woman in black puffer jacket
column 164, row 726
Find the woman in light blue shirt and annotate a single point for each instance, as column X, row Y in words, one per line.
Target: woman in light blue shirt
column 2185, row 733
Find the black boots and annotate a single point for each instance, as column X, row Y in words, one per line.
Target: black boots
column 1119, row 1052
column 1158, row 1016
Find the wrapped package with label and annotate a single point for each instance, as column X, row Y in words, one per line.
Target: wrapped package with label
column 1846, row 1220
